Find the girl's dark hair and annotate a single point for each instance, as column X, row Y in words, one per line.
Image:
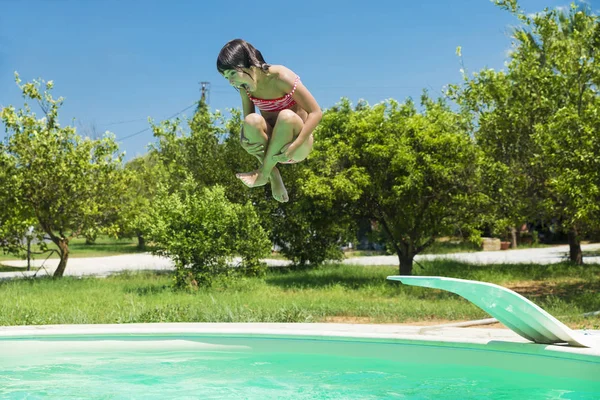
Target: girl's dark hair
column 238, row 54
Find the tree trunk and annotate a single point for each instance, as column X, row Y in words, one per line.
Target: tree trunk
column 141, row 242
column 513, row 237
column 63, row 245
column 575, row 254
column 406, row 264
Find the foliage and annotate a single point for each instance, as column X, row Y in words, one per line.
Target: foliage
column 537, row 123
column 201, row 231
column 60, row 182
column 146, row 173
column 413, row 173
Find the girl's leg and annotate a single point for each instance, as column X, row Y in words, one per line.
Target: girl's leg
column 287, row 127
column 256, row 130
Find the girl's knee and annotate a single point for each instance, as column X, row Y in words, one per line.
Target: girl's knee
column 255, row 120
column 289, row 117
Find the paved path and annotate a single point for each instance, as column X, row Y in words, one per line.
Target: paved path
column 103, row 266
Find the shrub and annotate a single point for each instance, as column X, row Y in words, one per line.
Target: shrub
column 201, row 231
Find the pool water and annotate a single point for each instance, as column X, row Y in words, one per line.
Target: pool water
column 274, row 368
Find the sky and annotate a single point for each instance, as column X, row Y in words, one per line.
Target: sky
column 118, row 62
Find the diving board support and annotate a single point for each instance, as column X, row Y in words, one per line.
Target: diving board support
column 510, row 308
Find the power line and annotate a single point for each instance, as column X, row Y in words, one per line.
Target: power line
column 148, row 128
column 123, row 122
column 205, row 89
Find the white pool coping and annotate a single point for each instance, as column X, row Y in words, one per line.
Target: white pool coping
column 494, row 339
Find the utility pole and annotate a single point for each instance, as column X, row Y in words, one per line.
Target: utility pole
column 205, row 90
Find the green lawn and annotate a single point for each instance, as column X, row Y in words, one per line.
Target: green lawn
column 332, row 293
column 6, row 268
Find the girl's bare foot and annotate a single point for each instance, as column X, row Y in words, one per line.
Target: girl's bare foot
column 253, row 179
column 278, row 188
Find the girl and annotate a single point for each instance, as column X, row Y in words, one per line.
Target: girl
column 282, row 132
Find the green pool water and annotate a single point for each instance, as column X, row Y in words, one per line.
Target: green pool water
column 215, row 367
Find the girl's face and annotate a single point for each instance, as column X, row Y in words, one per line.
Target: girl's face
column 240, row 79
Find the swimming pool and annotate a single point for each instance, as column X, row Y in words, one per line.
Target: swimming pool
column 297, row 361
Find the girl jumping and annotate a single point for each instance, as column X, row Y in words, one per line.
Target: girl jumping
column 282, row 132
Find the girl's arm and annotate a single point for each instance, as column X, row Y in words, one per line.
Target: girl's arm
column 305, row 100
column 247, row 108
column 247, row 104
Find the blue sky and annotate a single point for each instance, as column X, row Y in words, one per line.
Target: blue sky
column 118, row 62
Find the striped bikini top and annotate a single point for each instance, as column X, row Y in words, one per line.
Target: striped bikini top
column 272, row 105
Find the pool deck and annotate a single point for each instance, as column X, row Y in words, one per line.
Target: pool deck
column 490, row 338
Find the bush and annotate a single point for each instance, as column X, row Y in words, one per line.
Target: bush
column 201, row 231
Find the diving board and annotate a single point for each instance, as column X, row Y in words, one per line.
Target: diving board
column 510, row 308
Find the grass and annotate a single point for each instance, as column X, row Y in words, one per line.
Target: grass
column 332, row 293
column 365, row 253
column 104, row 246
column 448, row 247
column 7, row 268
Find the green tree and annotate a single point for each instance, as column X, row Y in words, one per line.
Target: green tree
column 63, row 182
column 146, row 174
column 506, row 115
column 192, row 149
column 538, row 121
column 12, row 225
column 201, row 231
column 309, row 229
column 416, row 174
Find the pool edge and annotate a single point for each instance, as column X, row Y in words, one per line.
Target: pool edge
column 491, row 338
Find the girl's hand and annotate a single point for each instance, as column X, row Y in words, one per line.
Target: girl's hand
column 253, row 149
column 287, row 153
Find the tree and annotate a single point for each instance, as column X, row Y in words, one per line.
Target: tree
column 309, row 229
column 64, row 182
column 201, row 231
column 145, row 174
column 539, row 120
column 506, row 114
column 570, row 140
column 415, row 174
column 12, row 226
column 192, row 150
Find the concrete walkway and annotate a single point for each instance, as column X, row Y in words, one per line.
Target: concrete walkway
column 104, row 266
